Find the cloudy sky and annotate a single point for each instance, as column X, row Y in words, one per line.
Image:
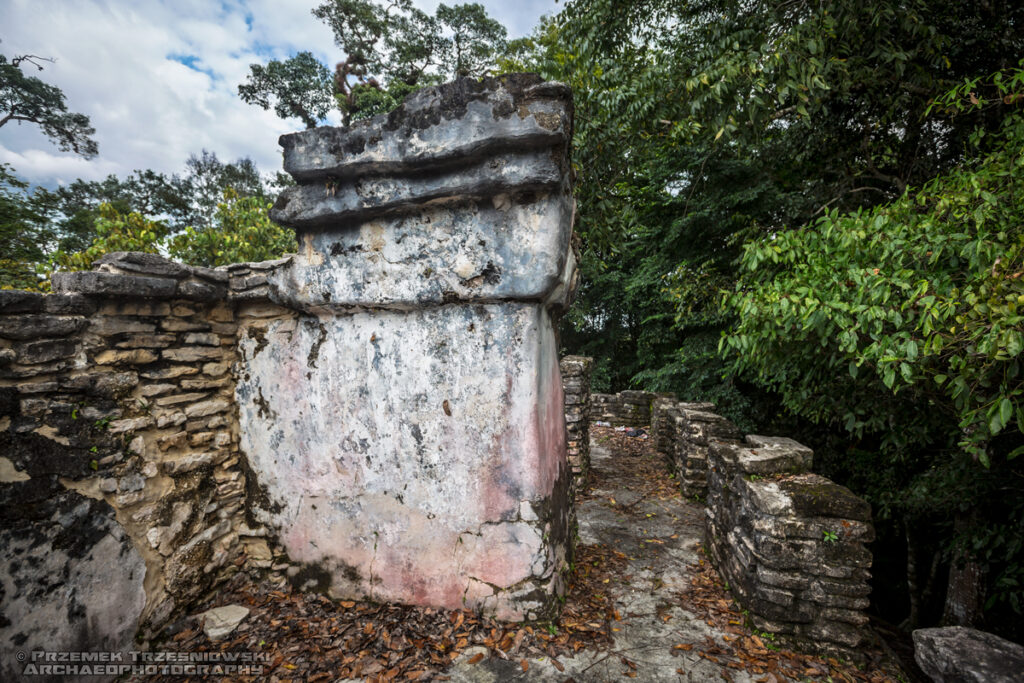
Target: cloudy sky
column 158, row 78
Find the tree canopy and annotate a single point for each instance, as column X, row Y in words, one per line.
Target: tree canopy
column 27, row 99
column 390, row 50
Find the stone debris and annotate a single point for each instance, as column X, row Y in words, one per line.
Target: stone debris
column 221, row 621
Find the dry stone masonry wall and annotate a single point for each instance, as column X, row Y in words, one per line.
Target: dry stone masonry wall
column 120, row 478
column 791, row 545
column 576, row 371
column 682, row 432
column 627, row 408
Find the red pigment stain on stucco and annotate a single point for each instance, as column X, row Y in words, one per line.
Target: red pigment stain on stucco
column 426, row 579
column 496, row 500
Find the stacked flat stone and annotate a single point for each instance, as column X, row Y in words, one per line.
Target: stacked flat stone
column 681, row 433
column 249, row 282
column 696, row 429
column 789, row 543
column 117, row 419
column 663, row 427
column 400, row 396
column 576, row 371
column 627, row 408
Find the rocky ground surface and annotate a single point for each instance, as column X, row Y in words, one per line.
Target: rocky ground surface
column 643, row 604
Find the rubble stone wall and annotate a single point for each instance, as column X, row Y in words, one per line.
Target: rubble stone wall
column 791, row 544
column 682, row 433
column 576, row 371
column 121, row 486
column 380, row 415
column 626, row 408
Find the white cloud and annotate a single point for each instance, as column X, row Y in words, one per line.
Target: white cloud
column 119, row 62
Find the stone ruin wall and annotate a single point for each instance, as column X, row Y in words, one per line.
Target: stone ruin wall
column 682, row 434
column 424, row 460
column 121, row 482
column 626, row 408
column 576, row 372
column 379, row 416
column 790, row 544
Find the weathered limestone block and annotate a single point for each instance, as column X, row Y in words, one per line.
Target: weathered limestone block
column 446, row 222
column 956, row 654
column 402, row 408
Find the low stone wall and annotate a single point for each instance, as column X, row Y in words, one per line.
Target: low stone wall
column 682, row 432
column 789, row 543
column 576, row 372
column 120, row 478
column 626, row 408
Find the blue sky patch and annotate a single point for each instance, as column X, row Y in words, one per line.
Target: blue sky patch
column 193, row 62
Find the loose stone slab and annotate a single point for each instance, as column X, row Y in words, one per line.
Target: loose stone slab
column 221, row 621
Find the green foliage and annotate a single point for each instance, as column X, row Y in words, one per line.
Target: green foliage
column 475, row 40
column 903, row 326
column 23, row 233
column 368, row 100
column 206, row 180
column 71, row 210
column 391, row 49
column 701, row 124
column 27, row 99
column 920, row 299
column 115, row 231
column 241, row 231
column 298, row 87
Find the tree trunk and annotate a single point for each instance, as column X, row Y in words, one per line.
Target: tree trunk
column 965, row 588
column 913, row 619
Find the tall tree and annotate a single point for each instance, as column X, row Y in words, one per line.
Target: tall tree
column 298, row 87
column 207, row 178
column 390, row 50
column 27, row 99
